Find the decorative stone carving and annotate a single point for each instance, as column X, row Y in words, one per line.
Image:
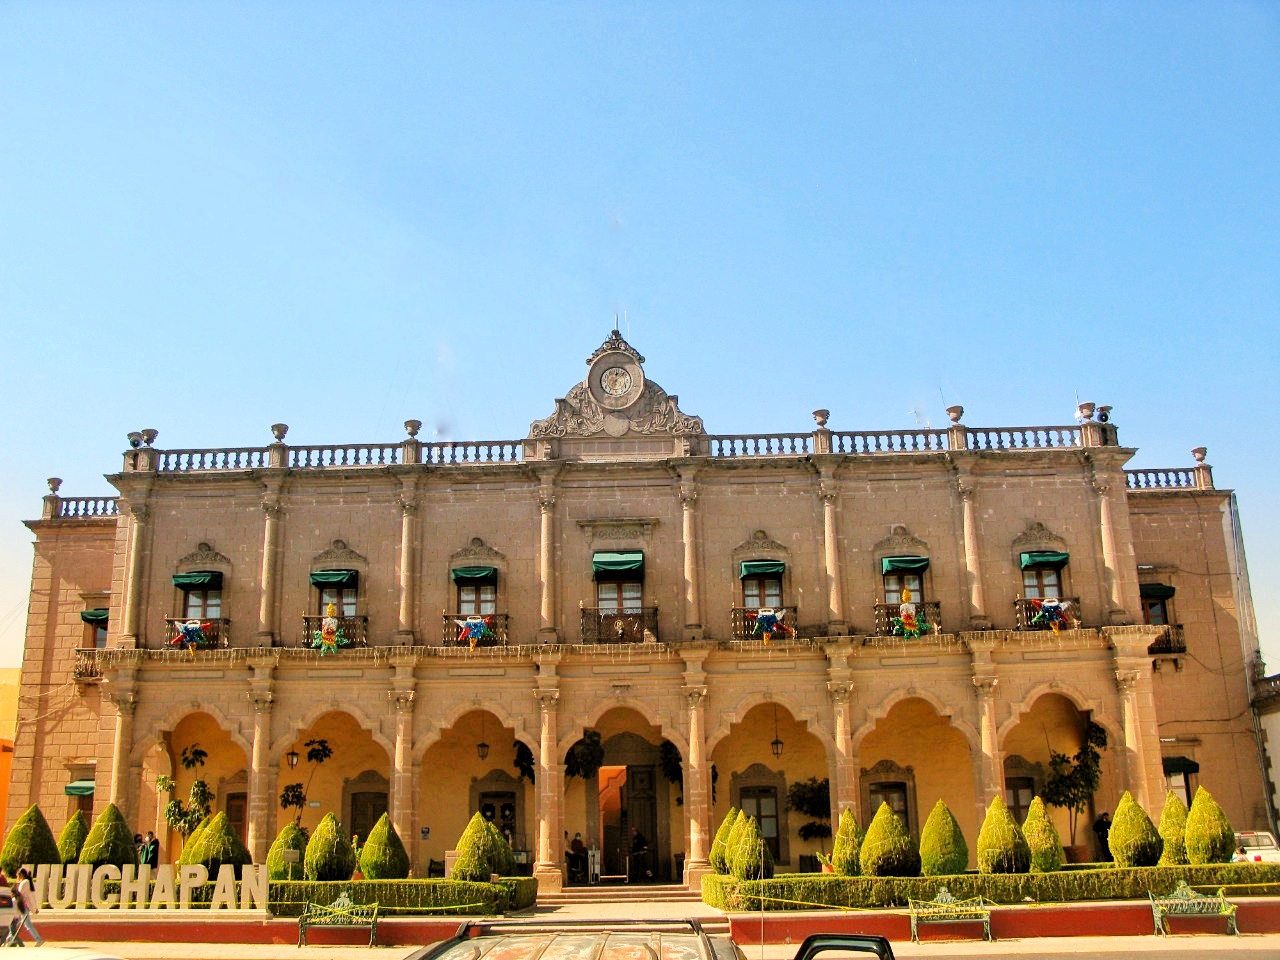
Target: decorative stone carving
column 759, row 544
column 204, row 554
column 900, row 538
column 477, row 550
column 1037, row 533
column 638, row 528
column 337, row 553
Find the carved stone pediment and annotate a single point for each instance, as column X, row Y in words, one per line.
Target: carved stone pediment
column 1038, row 534
column 889, row 769
column 337, row 553
column 477, row 550
column 639, row 528
column 759, row 544
column 203, row 553
column 901, row 539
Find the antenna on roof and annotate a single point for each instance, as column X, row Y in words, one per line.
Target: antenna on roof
column 615, row 321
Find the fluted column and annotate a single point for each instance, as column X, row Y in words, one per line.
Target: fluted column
column 261, row 786
column 978, row 618
column 408, row 538
column 990, row 765
column 692, row 593
column 125, row 700
column 272, row 511
column 548, row 869
column 845, row 795
column 697, row 798
column 138, row 516
column 836, row 623
column 546, row 560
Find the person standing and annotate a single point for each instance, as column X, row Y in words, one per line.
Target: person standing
column 24, row 902
column 8, row 908
column 1102, row 830
column 149, row 854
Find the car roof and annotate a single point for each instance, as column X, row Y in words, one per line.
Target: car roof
column 576, row 940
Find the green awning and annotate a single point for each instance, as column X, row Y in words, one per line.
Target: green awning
column 335, row 578
column 904, row 564
column 761, row 568
column 79, row 788
column 1174, row 765
column 615, row 564
column 465, row 575
column 1155, row 591
column 1043, row 558
column 96, row 617
column 209, row 579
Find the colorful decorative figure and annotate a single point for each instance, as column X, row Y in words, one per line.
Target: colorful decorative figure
column 329, row 638
column 906, row 624
column 1052, row 611
column 191, row 636
column 475, row 629
column 768, row 622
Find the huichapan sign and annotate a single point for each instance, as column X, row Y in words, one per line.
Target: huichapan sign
column 79, row 885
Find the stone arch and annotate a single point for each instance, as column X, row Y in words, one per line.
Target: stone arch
column 881, row 710
column 736, row 714
column 508, row 718
column 308, row 719
column 659, row 721
column 156, row 735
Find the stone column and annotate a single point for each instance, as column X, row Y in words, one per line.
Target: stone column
column 990, row 765
column 978, row 619
column 272, row 513
column 844, row 796
column 697, row 796
column 547, row 632
column 261, row 782
column 549, row 870
column 1133, row 772
column 138, row 516
column 836, row 623
column 403, row 809
column 125, row 699
column 408, row 539
column 1116, row 613
column 692, row 594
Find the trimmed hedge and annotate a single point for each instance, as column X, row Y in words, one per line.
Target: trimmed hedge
column 720, row 845
column 846, row 852
column 1042, row 839
column 218, row 844
column 30, row 841
column 329, row 853
column 887, row 849
column 943, row 850
column 383, row 856
column 1173, row 830
column 749, row 857
column 193, row 838
column 430, row 897
column 801, row 891
column 290, row 838
column 110, row 841
column 71, row 840
column 1210, row 838
column 1001, row 846
column 1133, row 840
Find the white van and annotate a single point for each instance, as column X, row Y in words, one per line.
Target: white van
column 1259, row 845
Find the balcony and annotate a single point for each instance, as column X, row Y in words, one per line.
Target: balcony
column 354, row 630
column 457, row 633
column 86, row 668
column 611, row 626
column 927, row 611
column 213, row 632
column 745, row 621
column 1024, row 612
column 1170, row 643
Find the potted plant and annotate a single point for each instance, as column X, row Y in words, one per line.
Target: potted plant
column 1072, row 781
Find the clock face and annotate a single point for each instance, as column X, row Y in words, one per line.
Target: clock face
column 615, row 381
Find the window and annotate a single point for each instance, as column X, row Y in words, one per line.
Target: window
column 762, row 803
column 1041, row 583
column 619, row 596
column 96, row 623
column 1018, row 794
column 1155, row 612
column 342, row 598
column 891, row 783
column 367, row 808
column 201, row 594
column 1177, row 776
column 339, row 587
column 477, row 599
column 895, row 582
column 894, row 793
column 237, row 807
column 760, row 592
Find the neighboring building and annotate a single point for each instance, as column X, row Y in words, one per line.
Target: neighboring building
column 10, row 677
column 617, row 562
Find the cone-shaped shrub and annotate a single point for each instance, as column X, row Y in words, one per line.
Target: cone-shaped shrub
column 719, row 845
column 943, row 851
column 473, row 852
column 1133, row 840
column 1173, row 829
column 502, row 859
column 1209, row 837
column 846, row 852
column 1042, row 839
column 290, row 838
column 731, row 841
column 30, row 841
column 110, row 841
column 383, row 856
column 184, row 857
column 329, row 854
column 218, row 844
column 887, row 849
column 750, row 857
column 72, row 838
column 1001, row 846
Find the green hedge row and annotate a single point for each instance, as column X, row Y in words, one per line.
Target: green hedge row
column 805, row 891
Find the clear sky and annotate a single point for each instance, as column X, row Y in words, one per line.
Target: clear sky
column 217, row 216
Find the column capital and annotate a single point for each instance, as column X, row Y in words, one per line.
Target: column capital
column 688, row 494
column 827, row 492
column 841, row 692
column 964, row 490
column 125, row 701
column 272, row 507
column 547, row 699
column 546, row 501
column 408, row 505
column 1126, row 681
column 986, row 686
column 694, row 694
column 140, row 512
column 262, row 700
column 403, row 700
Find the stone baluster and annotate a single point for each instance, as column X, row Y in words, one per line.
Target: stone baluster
column 548, row 869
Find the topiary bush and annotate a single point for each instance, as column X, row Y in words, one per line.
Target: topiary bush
column 502, row 859
column 290, row 838
column 216, row 845
column 719, row 845
column 749, row 857
column 1001, row 846
column 731, row 842
column 1210, row 837
column 109, row 841
column 1133, row 840
column 846, row 852
column 30, row 841
column 942, row 847
column 473, row 863
column 193, row 838
column 1042, row 839
column 887, row 849
column 72, row 838
column 383, row 856
column 329, row 855
column 1173, row 829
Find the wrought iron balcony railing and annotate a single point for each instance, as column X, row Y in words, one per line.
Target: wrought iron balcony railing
column 353, row 629
column 86, row 668
column 927, row 611
column 612, row 626
column 747, row 626
column 1025, row 612
column 458, row 631
column 195, row 633
column 1172, row 641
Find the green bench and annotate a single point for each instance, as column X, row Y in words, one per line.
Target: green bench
column 341, row 913
column 945, row 908
column 1185, row 902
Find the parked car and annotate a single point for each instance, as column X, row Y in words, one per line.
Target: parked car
column 622, row 940
column 1259, row 845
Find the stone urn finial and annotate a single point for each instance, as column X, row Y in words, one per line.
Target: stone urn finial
column 149, row 436
column 412, row 427
column 1104, row 413
column 278, row 430
column 55, row 483
column 955, row 413
column 1199, row 453
column 820, row 417
column 1085, row 410
column 135, row 439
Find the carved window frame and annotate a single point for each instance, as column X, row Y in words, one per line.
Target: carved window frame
column 758, row 775
column 901, row 542
column 476, row 553
column 499, row 781
column 339, row 556
column 760, row 546
column 887, row 771
column 203, row 557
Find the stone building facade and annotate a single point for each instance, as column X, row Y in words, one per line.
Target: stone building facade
column 716, row 612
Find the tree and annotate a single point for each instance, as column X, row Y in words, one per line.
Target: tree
column 110, row 841
column 846, row 852
column 184, row 817
column 295, row 794
column 1173, row 830
column 1042, row 837
column 383, row 856
column 523, row 761
column 943, row 851
column 586, row 757
column 812, row 798
column 1001, row 846
column 887, row 849
column 29, row 841
column 329, row 855
column 720, row 845
column 1133, row 840
column 72, row 838
column 1073, row 780
column 672, row 765
column 290, row 838
column 1210, row 838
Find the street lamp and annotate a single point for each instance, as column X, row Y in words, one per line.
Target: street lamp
column 292, row 758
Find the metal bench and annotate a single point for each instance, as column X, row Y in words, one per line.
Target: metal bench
column 945, row 908
column 1185, row 902
column 341, row 913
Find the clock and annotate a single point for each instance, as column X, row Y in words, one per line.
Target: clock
column 615, row 381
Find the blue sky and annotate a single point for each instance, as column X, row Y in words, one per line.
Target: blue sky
column 217, row 216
